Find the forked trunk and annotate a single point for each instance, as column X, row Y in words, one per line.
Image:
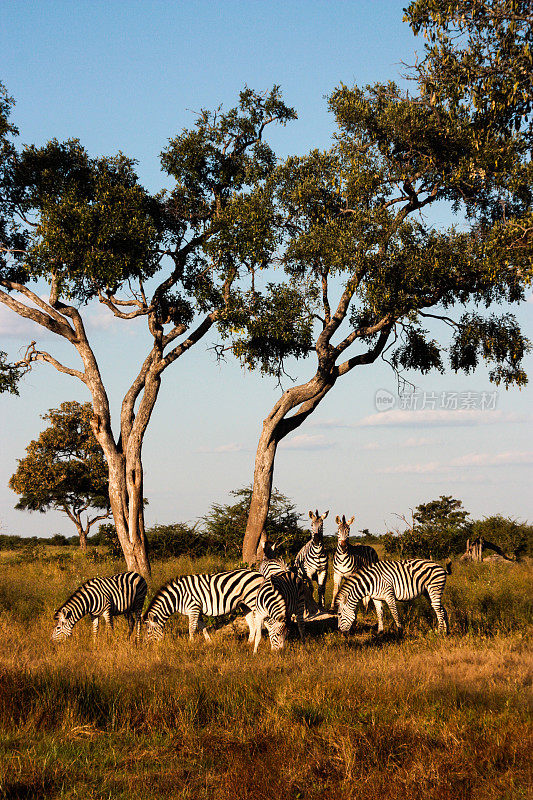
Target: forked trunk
column 123, row 496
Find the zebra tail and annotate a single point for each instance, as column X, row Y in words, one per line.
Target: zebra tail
column 448, row 566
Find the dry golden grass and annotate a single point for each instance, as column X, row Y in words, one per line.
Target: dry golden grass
column 422, row 717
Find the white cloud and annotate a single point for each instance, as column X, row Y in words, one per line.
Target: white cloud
column 231, row 447
column 413, row 469
column 412, row 441
column 428, row 418
column 308, row 441
column 470, row 460
column 493, row 459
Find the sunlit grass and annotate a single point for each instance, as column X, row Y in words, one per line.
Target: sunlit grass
column 368, row 717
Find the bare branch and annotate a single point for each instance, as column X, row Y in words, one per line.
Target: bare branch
column 32, row 354
column 51, row 320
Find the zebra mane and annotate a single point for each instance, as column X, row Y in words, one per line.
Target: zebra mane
column 159, row 593
column 72, row 596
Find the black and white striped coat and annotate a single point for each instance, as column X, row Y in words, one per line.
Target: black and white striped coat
column 271, row 563
column 103, row 597
column 388, row 581
column 312, row 560
column 348, row 558
column 195, row 595
column 280, row 597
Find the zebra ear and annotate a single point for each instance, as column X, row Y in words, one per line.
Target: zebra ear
column 338, row 520
column 350, row 521
column 311, row 515
column 324, row 515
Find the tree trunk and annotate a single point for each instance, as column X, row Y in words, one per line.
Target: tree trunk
column 123, row 496
column 262, row 489
column 275, row 427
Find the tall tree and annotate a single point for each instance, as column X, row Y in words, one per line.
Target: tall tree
column 65, row 469
column 89, row 229
column 370, row 272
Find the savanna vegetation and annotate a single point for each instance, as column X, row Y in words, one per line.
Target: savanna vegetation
column 368, row 717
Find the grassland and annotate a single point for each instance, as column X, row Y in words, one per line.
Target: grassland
column 421, row 717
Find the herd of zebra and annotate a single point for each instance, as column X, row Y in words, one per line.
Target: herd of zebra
column 270, row 596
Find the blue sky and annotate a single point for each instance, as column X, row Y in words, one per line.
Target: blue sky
column 129, row 75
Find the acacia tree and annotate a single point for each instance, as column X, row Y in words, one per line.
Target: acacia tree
column 65, row 469
column 179, row 260
column 352, row 228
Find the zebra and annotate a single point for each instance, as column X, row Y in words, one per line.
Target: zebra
column 270, row 563
column 348, row 557
column 103, row 597
column 280, row 597
column 194, row 595
column 390, row 581
column 312, row 559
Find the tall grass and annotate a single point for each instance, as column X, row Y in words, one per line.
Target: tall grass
column 368, row 717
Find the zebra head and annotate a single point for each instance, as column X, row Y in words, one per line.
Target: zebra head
column 347, row 615
column 277, row 631
column 64, row 625
column 317, row 524
column 154, row 629
column 343, row 528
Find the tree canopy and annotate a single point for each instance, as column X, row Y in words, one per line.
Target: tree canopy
column 65, row 469
column 184, row 260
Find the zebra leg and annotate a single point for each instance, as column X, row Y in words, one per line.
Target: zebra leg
column 138, row 623
column 193, row 614
column 379, row 614
column 259, row 619
column 321, row 580
column 108, row 617
column 131, row 622
column 391, row 602
column 442, row 616
column 336, row 586
column 202, row 627
column 250, row 621
column 95, row 622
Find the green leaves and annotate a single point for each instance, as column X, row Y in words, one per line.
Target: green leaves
column 479, row 58
column 65, row 466
column 498, row 340
column 9, row 375
column 97, row 227
column 266, row 328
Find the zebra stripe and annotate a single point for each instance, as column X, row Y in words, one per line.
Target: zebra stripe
column 348, row 558
column 279, row 598
column 312, row 560
column 103, row 597
column 389, row 581
column 195, row 595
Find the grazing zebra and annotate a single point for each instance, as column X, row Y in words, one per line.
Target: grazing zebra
column 103, row 597
column 280, row 597
column 195, row 595
column 348, row 557
column 389, row 581
column 312, row 560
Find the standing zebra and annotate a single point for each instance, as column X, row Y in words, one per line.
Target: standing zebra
column 348, row 557
column 312, row 560
column 280, row 597
column 195, row 595
column 390, row 581
column 103, row 597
